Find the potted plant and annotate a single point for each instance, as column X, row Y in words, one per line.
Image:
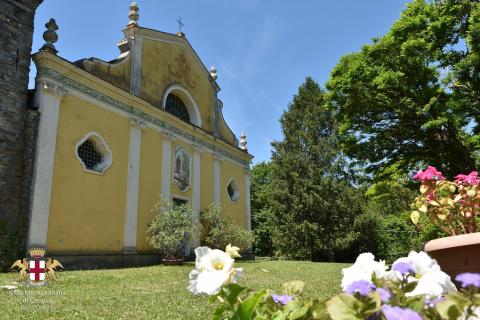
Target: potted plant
column 170, row 230
column 453, row 206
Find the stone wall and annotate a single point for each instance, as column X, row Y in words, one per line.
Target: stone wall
column 16, row 25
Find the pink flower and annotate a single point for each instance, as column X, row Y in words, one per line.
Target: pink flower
column 431, row 196
column 431, row 173
column 471, row 179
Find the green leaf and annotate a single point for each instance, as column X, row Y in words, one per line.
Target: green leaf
column 218, row 314
column 449, row 309
column 341, row 307
column 278, row 316
column 232, row 291
column 246, row 309
column 293, row 287
column 299, row 313
column 213, row 299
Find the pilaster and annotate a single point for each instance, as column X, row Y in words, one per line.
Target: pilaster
column 216, row 178
column 196, row 194
column 131, row 210
column 167, row 165
column 247, row 199
column 48, row 98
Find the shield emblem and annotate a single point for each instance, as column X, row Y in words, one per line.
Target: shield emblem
column 37, row 270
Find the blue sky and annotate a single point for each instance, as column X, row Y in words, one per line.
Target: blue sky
column 263, row 49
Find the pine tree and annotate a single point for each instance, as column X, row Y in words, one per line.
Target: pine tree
column 312, row 197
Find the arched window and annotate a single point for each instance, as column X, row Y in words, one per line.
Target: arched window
column 174, row 105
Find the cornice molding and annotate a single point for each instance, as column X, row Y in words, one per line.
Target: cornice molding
column 45, row 73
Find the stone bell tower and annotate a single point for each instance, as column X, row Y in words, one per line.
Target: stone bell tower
column 16, row 23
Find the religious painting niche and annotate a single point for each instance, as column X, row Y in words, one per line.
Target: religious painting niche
column 181, row 170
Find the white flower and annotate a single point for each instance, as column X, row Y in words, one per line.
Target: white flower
column 363, row 269
column 422, row 263
column 213, row 269
column 433, row 284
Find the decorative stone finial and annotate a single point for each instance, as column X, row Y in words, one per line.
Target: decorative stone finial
column 50, row 36
column 243, row 141
column 123, row 46
column 133, row 14
column 213, row 72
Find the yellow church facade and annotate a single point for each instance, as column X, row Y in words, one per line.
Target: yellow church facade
column 114, row 136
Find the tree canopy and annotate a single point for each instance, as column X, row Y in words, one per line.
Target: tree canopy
column 412, row 97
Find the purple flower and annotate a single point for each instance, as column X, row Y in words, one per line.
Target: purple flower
column 402, row 267
column 384, row 294
column 363, row 287
column 397, row 313
column 282, row 298
column 469, row 279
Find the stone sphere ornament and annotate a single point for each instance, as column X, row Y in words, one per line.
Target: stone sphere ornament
column 50, row 36
column 213, row 73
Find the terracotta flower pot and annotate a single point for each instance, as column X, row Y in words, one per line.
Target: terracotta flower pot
column 456, row 254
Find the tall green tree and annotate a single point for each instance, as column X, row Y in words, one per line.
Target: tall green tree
column 311, row 196
column 412, row 97
column 263, row 219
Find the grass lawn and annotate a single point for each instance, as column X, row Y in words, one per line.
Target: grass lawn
column 157, row 292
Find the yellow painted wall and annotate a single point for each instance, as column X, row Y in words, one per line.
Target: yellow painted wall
column 150, row 183
column 206, row 179
column 87, row 211
column 235, row 209
column 156, row 78
column 117, row 73
column 226, row 133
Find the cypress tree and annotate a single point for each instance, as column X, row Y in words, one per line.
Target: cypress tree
column 312, row 196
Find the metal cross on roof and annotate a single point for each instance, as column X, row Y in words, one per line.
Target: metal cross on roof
column 180, row 23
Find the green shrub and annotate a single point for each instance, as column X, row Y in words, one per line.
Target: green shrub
column 397, row 237
column 364, row 237
column 388, row 237
column 219, row 230
column 171, row 228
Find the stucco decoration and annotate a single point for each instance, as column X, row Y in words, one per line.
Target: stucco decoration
column 182, row 70
column 182, row 169
column 93, row 153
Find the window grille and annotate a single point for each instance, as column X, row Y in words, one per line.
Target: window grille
column 175, row 106
column 89, row 155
